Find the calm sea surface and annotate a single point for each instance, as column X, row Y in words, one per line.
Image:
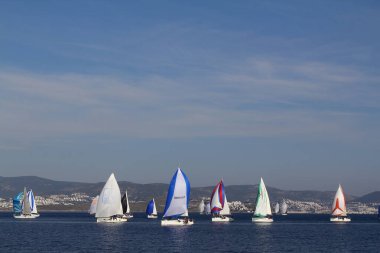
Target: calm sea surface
column 78, row 232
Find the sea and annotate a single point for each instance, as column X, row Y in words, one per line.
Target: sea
column 79, row 232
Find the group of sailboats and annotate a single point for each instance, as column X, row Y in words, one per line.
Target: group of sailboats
column 111, row 207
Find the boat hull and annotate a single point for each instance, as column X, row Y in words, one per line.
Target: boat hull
column 340, row 219
column 262, row 219
column 26, row 216
column 152, row 216
column 111, row 220
column 177, row 222
column 222, row 219
column 128, row 216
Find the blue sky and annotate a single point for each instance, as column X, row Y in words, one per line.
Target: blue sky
column 284, row 90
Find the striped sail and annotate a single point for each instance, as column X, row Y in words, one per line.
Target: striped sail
column 263, row 208
column 339, row 204
column 177, row 200
column 32, row 202
column 217, row 198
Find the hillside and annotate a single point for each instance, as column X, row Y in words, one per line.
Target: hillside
column 9, row 186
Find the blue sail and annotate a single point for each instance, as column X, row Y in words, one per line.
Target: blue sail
column 177, row 200
column 17, row 202
column 149, row 208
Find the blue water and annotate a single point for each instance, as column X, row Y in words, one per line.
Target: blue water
column 78, row 232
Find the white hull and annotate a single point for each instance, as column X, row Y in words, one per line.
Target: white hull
column 152, row 216
column 26, row 216
column 284, row 214
column 340, row 219
column 221, row 219
column 111, row 220
column 262, row 219
column 177, row 222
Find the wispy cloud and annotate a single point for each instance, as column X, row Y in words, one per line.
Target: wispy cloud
column 255, row 98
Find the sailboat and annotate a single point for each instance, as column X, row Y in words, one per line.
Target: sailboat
column 202, row 207
column 277, row 208
column 151, row 211
column 219, row 205
column 94, row 203
column 109, row 208
column 284, row 208
column 177, row 201
column 126, row 207
column 339, row 210
column 263, row 212
column 207, row 208
column 24, row 205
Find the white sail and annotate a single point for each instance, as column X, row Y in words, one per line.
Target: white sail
column 339, row 204
column 262, row 201
column 207, row 208
column 93, row 205
column 201, row 207
column 226, row 209
column 277, row 208
column 154, row 208
column 32, row 201
column 128, row 208
column 109, row 203
column 26, row 209
column 178, row 195
column 284, row 207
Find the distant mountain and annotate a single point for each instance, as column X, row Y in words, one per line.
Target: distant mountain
column 9, row 186
column 373, row 197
